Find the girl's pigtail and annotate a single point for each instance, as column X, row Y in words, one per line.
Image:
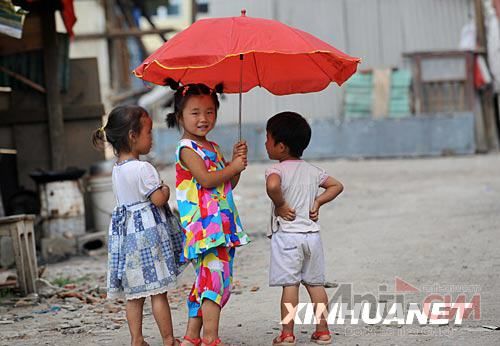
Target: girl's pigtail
column 219, row 88
column 99, row 138
column 171, row 83
column 172, row 120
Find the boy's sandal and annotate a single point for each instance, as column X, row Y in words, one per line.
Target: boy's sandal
column 315, row 337
column 193, row 341
column 281, row 339
column 213, row 343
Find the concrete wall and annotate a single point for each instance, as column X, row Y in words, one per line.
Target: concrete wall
column 91, row 20
column 23, row 126
column 439, row 134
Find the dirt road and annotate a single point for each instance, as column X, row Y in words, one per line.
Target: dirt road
column 434, row 223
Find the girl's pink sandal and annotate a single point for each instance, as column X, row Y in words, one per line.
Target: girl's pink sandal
column 194, row 341
column 315, row 337
column 213, row 343
column 280, row 340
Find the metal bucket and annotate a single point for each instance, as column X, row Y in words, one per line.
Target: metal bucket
column 62, row 209
column 103, row 200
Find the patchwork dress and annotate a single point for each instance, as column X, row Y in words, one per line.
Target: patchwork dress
column 212, row 228
column 145, row 241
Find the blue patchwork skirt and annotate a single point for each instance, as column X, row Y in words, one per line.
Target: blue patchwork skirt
column 144, row 251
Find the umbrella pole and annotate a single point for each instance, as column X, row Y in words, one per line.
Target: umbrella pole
column 241, row 87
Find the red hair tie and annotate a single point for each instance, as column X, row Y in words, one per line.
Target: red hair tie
column 186, row 88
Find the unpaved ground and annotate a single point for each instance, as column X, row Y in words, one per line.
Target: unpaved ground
column 430, row 222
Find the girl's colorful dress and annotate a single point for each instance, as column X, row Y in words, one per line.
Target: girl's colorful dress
column 212, row 228
column 145, row 241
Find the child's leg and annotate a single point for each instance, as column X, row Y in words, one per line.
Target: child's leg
column 285, row 271
column 319, row 297
column 313, row 276
column 218, row 269
column 134, row 318
column 211, row 316
column 209, row 293
column 193, row 331
column 290, row 297
column 163, row 317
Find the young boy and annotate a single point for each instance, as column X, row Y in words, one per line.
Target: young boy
column 296, row 249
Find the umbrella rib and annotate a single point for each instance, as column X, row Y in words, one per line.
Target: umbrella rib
column 256, row 69
column 326, row 74
column 183, row 75
column 308, row 55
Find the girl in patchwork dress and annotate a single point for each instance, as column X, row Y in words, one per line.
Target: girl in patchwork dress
column 145, row 240
column 212, row 228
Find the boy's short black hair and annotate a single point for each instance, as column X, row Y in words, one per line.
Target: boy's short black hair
column 292, row 130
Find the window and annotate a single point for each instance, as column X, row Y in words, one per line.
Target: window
column 174, row 7
column 202, row 6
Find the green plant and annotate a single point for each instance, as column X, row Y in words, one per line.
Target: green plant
column 65, row 280
column 62, row 281
column 6, row 292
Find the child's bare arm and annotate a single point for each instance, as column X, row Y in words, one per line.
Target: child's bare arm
column 239, row 149
column 160, row 197
column 333, row 188
column 235, row 180
column 210, row 179
column 273, row 188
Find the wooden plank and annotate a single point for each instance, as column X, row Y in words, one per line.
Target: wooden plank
column 381, row 92
column 122, row 34
column 117, row 98
column 417, row 85
column 23, row 79
column 10, row 220
column 31, row 40
column 480, row 29
column 194, row 11
column 33, row 116
column 18, row 254
column 442, row 53
column 83, row 112
column 140, row 4
column 29, row 255
column 54, row 108
column 490, row 125
column 127, row 10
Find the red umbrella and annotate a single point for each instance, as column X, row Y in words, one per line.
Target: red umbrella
column 245, row 52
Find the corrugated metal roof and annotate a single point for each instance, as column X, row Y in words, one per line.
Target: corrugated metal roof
column 378, row 31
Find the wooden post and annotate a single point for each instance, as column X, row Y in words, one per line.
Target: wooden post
column 194, row 11
column 54, row 108
column 480, row 29
column 486, row 96
column 488, row 103
column 110, row 25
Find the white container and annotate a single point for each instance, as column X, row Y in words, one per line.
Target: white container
column 62, row 209
column 103, row 200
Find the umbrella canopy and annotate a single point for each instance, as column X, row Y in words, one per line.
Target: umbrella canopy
column 245, row 52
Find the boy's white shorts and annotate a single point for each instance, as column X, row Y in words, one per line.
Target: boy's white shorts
column 296, row 258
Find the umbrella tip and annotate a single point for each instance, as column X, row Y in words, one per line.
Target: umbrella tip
column 243, row 12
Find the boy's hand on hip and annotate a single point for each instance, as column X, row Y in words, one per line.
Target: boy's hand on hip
column 314, row 212
column 285, row 212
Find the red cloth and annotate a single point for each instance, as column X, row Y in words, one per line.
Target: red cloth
column 68, row 16
column 282, row 59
